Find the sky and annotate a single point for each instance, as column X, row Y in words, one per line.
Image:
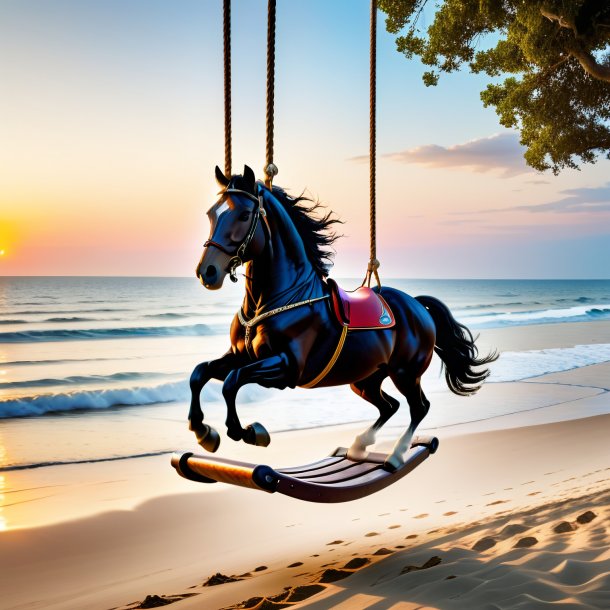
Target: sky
column 111, row 123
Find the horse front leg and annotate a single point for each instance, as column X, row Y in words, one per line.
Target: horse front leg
column 207, row 436
column 272, row 372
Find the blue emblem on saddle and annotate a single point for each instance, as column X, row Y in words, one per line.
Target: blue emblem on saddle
column 385, row 317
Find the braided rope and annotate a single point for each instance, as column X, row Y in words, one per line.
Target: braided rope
column 226, row 29
column 373, row 262
column 270, row 168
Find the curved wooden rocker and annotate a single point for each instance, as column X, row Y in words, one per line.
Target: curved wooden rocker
column 333, row 479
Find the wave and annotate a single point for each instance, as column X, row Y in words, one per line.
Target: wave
column 113, row 458
column 62, row 361
column 539, row 316
column 104, row 333
column 83, row 379
column 34, row 312
column 30, row 406
column 576, row 300
column 73, row 319
column 171, row 315
column 13, row 321
column 492, row 305
column 514, row 366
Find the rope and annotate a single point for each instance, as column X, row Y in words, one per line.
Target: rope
column 373, row 262
column 226, row 29
column 270, row 168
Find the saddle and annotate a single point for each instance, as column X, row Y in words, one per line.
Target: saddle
column 361, row 309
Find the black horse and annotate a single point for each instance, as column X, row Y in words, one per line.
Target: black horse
column 286, row 332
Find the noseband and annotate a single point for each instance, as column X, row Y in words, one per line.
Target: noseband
column 237, row 257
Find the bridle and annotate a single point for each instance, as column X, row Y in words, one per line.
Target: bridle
column 237, row 256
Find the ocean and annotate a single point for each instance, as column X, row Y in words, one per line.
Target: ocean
column 97, row 368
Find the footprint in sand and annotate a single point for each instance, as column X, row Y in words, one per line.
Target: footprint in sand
column 433, row 561
column 534, row 493
column 334, row 542
column 219, row 579
column 586, row 517
column 394, row 527
column 260, row 569
column 155, row 601
column 484, row 544
column 422, row 516
column 371, row 534
column 290, row 596
column 383, row 514
column 526, row 542
column 333, row 575
column 497, row 502
column 563, row 528
column 400, row 546
column 512, row 529
column 449, row 513
column 411, row 536
column 383, row 551
column 296, row 564
column 528, row 483
column 356, row 563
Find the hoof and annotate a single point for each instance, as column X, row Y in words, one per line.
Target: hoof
column 207, row 437
column 393, row 463
column 256, row 434
column 235, row 434
column 357, row 454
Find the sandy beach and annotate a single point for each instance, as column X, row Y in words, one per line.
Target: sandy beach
column 512, row 512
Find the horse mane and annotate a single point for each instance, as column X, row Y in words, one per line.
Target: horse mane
column 313, row 227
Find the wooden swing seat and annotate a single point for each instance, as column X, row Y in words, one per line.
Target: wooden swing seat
column 335, row 478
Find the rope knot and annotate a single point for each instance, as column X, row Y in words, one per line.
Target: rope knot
column 271, row 171
column 373, row 265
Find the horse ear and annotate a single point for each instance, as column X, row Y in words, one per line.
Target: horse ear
column 249, row 178
column 221, row 178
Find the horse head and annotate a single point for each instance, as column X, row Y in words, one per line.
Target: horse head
column 236, row 235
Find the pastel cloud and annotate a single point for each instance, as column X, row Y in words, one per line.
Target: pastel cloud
column 501, row 152
column 584, row 199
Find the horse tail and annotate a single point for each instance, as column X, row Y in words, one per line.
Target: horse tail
column 456, row 347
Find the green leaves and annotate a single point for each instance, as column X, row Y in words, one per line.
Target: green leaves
column 555, row 55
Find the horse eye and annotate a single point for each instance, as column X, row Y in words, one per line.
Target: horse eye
column 244, row 216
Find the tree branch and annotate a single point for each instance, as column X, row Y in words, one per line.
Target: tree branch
column 590, row 65
column 564, row 23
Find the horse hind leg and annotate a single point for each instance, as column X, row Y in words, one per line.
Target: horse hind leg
column 418, row 406
column 370, row 390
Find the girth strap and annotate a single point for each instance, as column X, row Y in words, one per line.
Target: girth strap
column 331, row 362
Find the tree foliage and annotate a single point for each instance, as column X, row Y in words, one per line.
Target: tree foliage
column 553, row 54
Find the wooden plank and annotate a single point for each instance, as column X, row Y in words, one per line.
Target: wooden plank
column 332, row 479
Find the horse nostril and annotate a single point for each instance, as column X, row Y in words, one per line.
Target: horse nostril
column 210, row 272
